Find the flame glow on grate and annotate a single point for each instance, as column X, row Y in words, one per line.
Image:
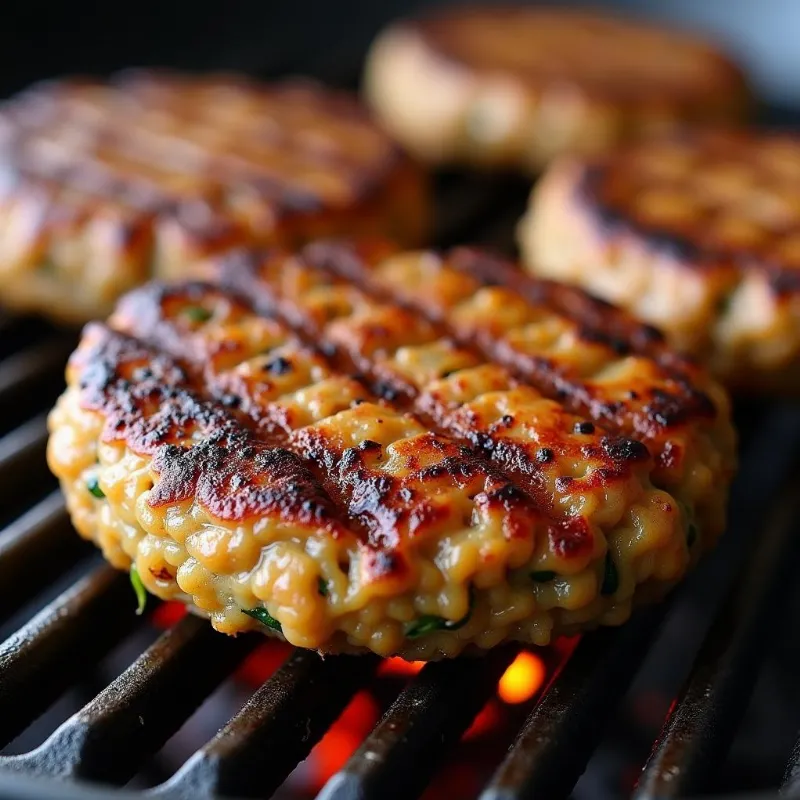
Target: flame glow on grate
column 522, row 679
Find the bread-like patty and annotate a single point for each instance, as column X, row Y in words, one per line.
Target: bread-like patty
column 411, row 454
column 699, row 235
column 105, row 185
column 515, row 86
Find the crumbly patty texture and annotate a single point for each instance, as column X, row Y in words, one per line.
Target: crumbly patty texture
column 516, row 86
column 699, row 235
column 412, row 454
column 105, row 185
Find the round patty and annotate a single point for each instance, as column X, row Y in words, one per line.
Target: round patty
column 699, row 235
column 105, row 185
column 412, row 454
column 514, row 87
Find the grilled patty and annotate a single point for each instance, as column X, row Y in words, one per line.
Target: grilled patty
column 105, row 185
column 699, row 235
column 516, row 86
column 412, row 454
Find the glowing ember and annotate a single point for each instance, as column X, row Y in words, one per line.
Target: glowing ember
column 399, row 666
column 522, row 679
column 488, row 719
column 168, row 614
column 263, row 662
column 343, row 739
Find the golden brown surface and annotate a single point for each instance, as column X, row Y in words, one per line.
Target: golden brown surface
column 699, row 235
column 411, row 454
column 516, row 86
column 105, row 185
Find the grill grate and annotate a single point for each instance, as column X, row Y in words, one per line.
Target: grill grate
column 111, row 738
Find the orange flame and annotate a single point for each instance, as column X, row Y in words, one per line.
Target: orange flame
column 522, row 679
column 342, row 740
column 399, row 666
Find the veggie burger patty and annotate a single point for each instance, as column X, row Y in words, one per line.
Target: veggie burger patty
column 698, row 234
column 412, row 454
column 514, row 86
column 106, row 184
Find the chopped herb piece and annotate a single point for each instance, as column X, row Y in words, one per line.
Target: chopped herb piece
column 322, row 586
column 197, row 313
column 585, row 428
column 691, row 534
column 610, row 577
column 543, row 575
column 138, row 588
column 691, row 525
column 94, row 487
column 428, row 623
column 724, row 303
column 264, row 617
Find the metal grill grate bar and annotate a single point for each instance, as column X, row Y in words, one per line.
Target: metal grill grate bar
column 791, row 778
column 35, row 549
column 399, row 757
column 45, row 656
column 283, row 720
column 22, row 456
column 557, row 739
column 109, row 738
column 702, row 724
column 36, row 372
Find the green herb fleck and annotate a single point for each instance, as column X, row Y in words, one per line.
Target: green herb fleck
column 543, row 575
column 197, row 313
column 322, row 586
column 479, row 124
column 264, row 617
column 94, row 487
column 724, row 303
column 138, row 588
column 428, row 623
column 691, row 525
column 691, row 534
column 610, row 577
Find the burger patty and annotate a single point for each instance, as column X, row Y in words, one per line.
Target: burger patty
column 105, row 185
column 699, row 235
column 411, row 454
column 516, row 86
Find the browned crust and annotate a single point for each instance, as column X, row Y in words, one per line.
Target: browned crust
column 155, row 407
column 490, row 40
column 669, row 401
column 149, row 403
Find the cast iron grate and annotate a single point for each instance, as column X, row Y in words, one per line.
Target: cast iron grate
column 114, row 734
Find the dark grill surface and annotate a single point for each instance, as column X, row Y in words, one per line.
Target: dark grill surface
column 52, row 644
